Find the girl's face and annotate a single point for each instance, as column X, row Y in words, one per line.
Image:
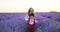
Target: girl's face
column 31, row 10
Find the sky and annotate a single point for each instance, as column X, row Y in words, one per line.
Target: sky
column 24, row 5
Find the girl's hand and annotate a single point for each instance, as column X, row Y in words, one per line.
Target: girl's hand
column 36, row 21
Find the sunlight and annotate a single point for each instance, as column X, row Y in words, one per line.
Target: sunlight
column 24, row 5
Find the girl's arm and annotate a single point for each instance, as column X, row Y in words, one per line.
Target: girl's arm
column 26, row 17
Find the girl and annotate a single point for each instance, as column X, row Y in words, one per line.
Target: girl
column 28, row 16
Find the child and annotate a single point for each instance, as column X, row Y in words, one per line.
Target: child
column 31, row 23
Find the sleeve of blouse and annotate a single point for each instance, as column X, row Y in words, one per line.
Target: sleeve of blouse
column 26, row 18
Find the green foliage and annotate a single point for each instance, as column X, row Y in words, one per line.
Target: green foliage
column 58, row 27
column 39, row 30
column 43, row 20
column 53, row 19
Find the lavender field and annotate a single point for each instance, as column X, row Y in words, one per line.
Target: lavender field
column 15, row 22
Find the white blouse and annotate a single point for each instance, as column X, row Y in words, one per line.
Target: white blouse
column 31, row 21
